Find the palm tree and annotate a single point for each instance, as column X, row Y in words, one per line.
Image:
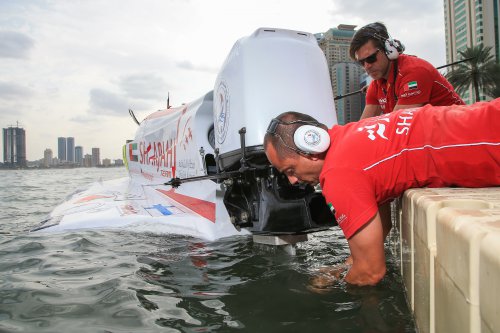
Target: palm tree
column 477, row 72
column 494, row 90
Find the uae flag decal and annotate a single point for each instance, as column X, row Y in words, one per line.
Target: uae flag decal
column 412, row 85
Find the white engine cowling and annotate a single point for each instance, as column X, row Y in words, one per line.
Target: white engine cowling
column 265, row 74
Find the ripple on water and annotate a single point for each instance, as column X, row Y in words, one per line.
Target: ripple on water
column 83, row 245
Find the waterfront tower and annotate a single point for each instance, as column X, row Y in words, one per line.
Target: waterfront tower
column 48, row 158
column 335, row 45
column 70, row 149
column 79, row 155
column 61, row 149
column 346, row 78
column 14, row 147
column 470, row 23
column 96, row 159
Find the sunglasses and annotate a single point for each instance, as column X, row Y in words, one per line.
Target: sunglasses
column 370, row 59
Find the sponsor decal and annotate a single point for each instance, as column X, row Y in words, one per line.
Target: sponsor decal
column 411, row 85
column 132, row 152
column 186, row 168
column 160, row 154
column 162, row 210
column 187, row 138
column 161, row 150
column 147, row 175
column 128, row 210
column 120, row 196
column 221, row 104
column 90, row 207
column 332, row 209
column 404, row 121
column 382, row 102
column 376, row 130
column 92, row 198
column 411, row 93
column 341, row 219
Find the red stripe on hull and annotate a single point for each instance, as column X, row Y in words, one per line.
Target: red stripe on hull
column 200, row 207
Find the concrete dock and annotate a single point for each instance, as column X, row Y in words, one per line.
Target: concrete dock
column 450, row 258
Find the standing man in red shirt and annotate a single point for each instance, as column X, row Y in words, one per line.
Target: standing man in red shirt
column 399, row 81
column 364, row 164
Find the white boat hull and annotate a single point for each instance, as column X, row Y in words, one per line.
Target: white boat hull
column 125, row 205
column 218, row 136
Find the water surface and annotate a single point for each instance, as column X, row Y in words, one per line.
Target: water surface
column 118, row 281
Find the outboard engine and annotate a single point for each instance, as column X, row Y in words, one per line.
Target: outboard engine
column 270, row 72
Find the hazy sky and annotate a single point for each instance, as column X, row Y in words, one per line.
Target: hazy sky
column 74, row 68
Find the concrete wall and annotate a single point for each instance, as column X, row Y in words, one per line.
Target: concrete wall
column 450, row 258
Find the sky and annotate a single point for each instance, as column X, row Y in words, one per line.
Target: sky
column 75, row 67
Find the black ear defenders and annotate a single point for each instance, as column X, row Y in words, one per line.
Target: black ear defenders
column 392, row 47
column 309, row 138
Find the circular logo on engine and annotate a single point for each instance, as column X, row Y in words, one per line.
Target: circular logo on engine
column 312, row 137
column 221, row 121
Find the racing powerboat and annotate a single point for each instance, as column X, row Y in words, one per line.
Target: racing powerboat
column 200, row 169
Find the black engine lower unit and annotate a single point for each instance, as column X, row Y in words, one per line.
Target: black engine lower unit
column 265, row 202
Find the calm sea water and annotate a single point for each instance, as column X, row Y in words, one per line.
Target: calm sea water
column 117, row 281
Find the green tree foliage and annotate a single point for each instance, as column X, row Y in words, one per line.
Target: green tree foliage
column 494, row 90
column 480, row 72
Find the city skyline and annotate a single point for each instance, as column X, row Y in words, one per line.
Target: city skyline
column 84, row 81
column 77, row 157
column 14, row 152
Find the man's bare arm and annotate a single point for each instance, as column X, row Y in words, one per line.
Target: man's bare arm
column 385, row 216
column 371, row 110
column 411, row 106
column 367, row 251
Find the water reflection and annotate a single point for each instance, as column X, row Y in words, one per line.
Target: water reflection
column 235, row 284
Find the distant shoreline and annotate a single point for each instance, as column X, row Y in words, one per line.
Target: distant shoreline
column 59, row 167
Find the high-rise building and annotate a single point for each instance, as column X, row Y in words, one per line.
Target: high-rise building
column 364, row 82
column 469, row 23
column 61, row 149
column 319, row 36
column 79, row 155
column 87, row 160
column 96, row 159
column 346, row 78
column 48, row 158
column 70, row 149
column 335, row 43
column 14, row 147
column 344, row 73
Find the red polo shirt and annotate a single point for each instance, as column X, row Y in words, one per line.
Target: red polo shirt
column 376, row 159
column 417, row 82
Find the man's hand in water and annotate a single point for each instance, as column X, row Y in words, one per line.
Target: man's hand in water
column 328, row 276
